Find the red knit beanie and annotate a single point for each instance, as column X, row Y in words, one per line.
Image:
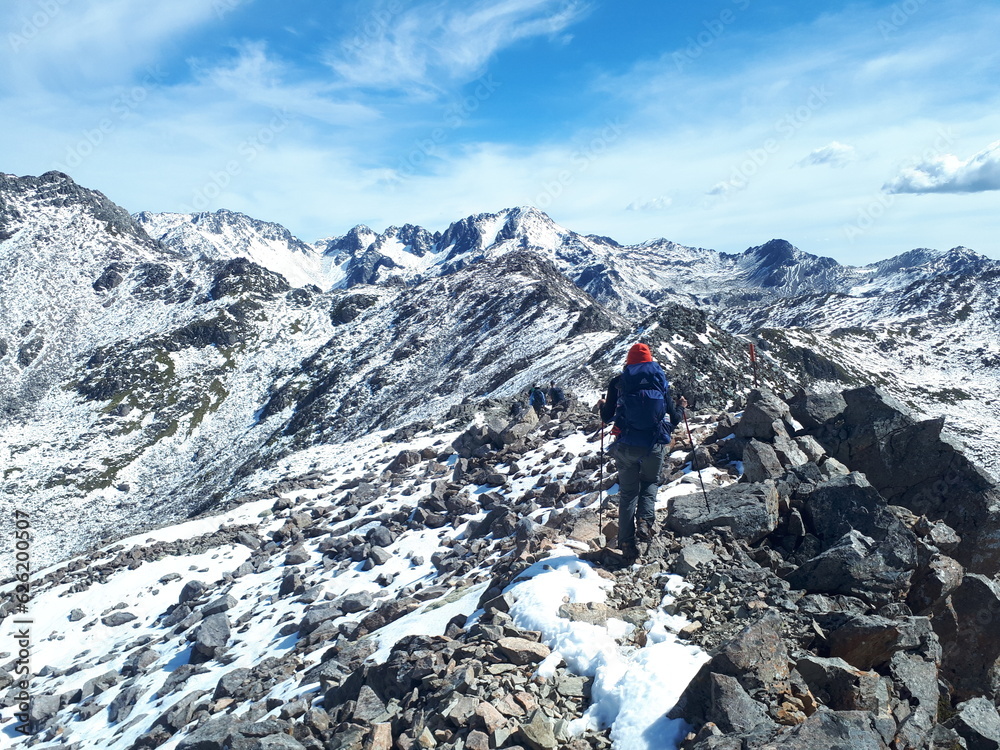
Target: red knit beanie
column 638, row 353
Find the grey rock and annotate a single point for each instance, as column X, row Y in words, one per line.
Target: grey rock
column 931, row 585
column 191, row 591
column 810, row 447
column 751, row 511
column 732, row 709
column 970, row 638
column 116, row 619
column 692, row 556
column 978, row 723
column 788, row 451
column 216, row 734
column 539, row 732
column 369, row 708
column 355, row 602
column 849, row 502
column 762, row 411
column 856, row 566
column 832, row 729
column 380, row 536
column 842, row 687
column 216, row 606
column 760, row 462
column 297, row 556
column 379, row 555
column 121, row 707
column 812, row 409
column 41, row 708
column 212, row 634
column 76, row 615
column 595, row 613
column 232, row 684
column 180, row 713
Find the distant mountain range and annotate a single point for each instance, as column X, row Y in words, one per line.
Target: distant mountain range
column 152, row 365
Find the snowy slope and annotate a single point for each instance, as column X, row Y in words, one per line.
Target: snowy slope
column 224, row 235
column 150, row 681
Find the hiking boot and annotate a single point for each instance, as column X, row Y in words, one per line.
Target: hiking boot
column 630, row 552
column 644, row 530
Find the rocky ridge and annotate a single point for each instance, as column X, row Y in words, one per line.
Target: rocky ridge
column 844, row 587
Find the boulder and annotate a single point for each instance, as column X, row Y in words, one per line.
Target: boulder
column 978, row 723
column 970, row 638
column 118, row 618
column 692, row 556
column 519, row 427
column 935, row 582
column 863, row 641
column 403, row 460
column 762, row 411
column 857, row 565
column 756, row 658
column 843, row 503
column 732, row 709
column 841, row 687
column 212, row 634
column 830, row 729
column 811, row 409
column 913, row 465
column 191, row 591
column 218, row 605
column 41, row 708
column 521, row 651
column 751, row 511
column 760, row 462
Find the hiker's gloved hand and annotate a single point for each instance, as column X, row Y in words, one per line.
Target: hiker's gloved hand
column 682, row 402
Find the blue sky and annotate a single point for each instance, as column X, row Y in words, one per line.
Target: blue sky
column 856, row 130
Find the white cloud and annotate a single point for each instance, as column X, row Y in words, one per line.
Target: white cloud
column 260, row 79
column 64, row 45
column 834, row 154
column 434, row 44
column 949, row 174
column 662, row 203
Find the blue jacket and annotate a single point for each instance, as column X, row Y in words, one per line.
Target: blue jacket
column 644, row 411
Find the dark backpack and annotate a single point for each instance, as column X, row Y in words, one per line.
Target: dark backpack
column 641, row 413
column 536, row 397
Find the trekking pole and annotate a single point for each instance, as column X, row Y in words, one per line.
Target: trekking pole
column 753, row 361
column 600, row 489
column 694, row 455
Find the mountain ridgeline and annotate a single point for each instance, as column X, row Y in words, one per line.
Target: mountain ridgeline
column 157, row 365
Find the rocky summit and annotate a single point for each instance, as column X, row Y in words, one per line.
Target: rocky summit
column 285, row 494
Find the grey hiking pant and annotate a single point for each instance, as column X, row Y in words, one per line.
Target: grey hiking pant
column 638, row 482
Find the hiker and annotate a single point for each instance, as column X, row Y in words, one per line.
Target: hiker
column 556, row 394
column 536, row 397
column 639, row 403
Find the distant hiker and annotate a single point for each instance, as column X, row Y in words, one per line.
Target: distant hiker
column 536, row 397
column 639, row 403
column 556, row 394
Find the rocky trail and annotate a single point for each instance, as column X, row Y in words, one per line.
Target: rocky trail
column 442, row 587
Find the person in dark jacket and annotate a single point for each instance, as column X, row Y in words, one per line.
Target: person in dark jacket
column 536, row 398
column 640, row 404
column 556, row 394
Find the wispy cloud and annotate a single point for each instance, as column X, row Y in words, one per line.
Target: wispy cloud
column 949, row 174
column 256, row 77
column 67, row 45
column 433, row 44
column 833, row 154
